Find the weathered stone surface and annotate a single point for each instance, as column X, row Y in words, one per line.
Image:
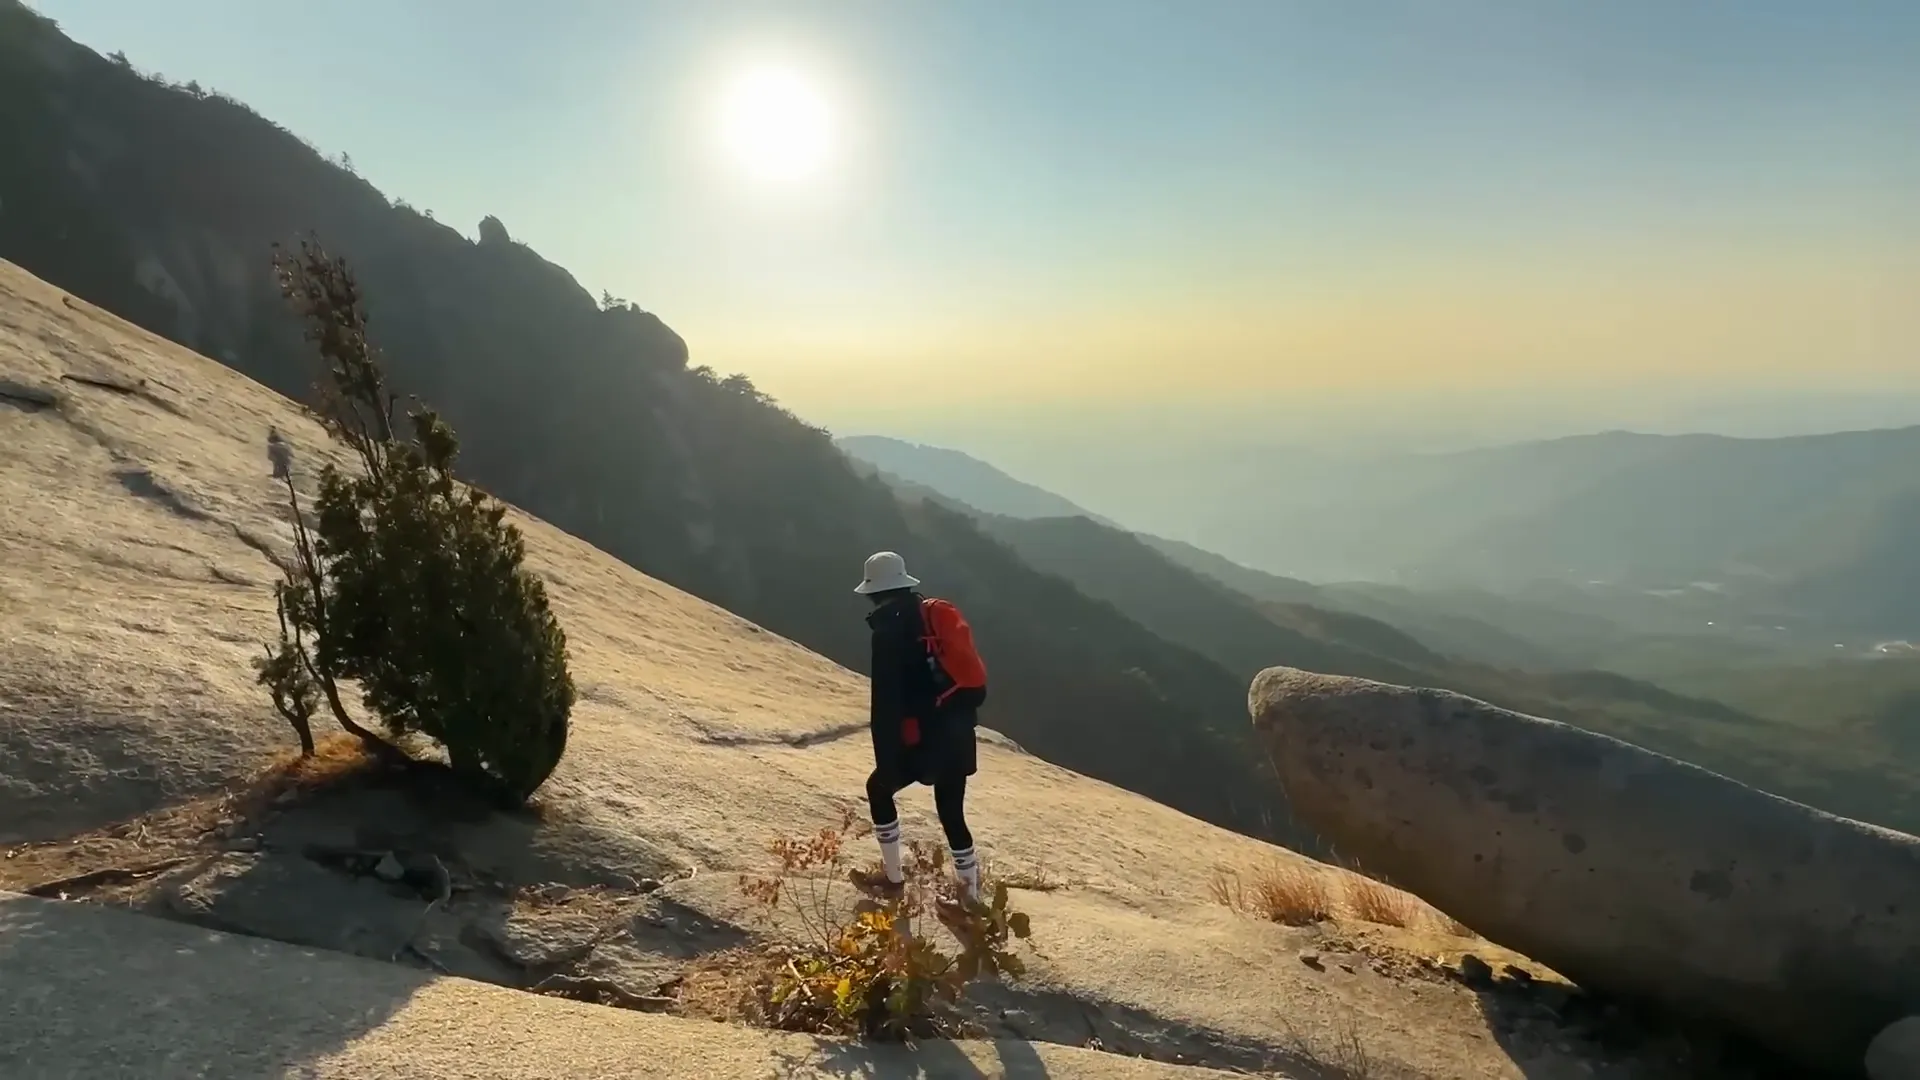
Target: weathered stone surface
column 540, row 939
column 1624, row 869
column 93, row 992
column 294, row 900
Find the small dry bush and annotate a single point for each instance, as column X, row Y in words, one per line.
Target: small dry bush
column 857, row 969
column 1280, row 892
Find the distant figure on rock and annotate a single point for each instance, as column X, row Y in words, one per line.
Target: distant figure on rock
column 928, row 684
column 279, row 454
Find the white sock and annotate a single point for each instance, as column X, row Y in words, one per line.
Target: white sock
column 966, row 865
column 889, row 837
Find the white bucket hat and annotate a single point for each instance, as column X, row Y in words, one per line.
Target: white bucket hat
column 885, row 571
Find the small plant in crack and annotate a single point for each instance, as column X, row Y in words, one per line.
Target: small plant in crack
column 837, row 966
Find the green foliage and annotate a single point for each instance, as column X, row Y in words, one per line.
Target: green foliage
column 407, row 582
column 866, row 972
column 284, row 670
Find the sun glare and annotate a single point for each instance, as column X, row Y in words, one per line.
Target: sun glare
column 776, row 124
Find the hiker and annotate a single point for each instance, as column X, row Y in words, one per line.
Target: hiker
column 928, row 685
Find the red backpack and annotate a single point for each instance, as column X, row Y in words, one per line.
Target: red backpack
column 958, row 671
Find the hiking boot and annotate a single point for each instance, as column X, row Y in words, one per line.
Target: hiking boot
column 877, row 884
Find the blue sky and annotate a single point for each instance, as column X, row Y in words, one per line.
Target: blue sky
column 1066, row 204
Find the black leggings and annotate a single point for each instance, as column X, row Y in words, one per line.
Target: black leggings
column 949, row 801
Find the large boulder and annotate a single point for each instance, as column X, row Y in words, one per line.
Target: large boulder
column 1626, row 870
column 1895, row 1053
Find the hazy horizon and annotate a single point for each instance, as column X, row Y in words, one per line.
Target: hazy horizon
column 1084, row 224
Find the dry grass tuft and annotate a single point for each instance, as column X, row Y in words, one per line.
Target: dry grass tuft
column 1377, row 902
column 342, row 761
column 336, row 761
column 1027, row 879
column 1301, row 893
column 730, row 987
column 1279, row 892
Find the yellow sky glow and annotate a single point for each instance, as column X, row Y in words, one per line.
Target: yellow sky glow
column 1581, row 321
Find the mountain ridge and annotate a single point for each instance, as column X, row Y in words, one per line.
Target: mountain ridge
column 961, row 476
column 161, row 203
column 1769, row 518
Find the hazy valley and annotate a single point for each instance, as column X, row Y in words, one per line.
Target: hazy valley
column 1709, row 674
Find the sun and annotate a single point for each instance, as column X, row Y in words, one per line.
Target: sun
column 776, row 124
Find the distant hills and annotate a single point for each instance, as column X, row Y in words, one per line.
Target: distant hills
column 961, row 477
column 1813, row 526
column 1731, row 705
column 1811, row 532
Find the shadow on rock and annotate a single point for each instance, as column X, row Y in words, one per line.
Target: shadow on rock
column 407, row 868
column 1546, row 1028
column 65, row 966
column 1019, row 1015
column 933, row 1059
column 426, row 810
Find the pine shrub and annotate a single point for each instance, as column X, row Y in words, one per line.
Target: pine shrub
column 405, row 582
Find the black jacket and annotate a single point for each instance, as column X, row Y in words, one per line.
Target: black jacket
column 903, row 687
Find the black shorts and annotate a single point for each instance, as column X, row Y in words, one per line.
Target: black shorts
column 947, row 749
